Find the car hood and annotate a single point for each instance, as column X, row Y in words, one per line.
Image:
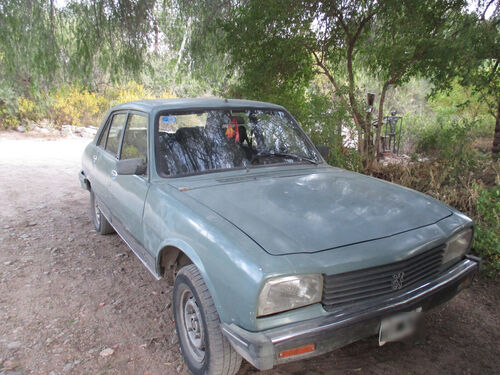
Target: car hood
column 317, row 209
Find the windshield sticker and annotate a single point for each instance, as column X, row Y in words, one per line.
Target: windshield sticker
column 168, row 119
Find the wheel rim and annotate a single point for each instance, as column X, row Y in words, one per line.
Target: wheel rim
column 192, row 325
column 97, row 214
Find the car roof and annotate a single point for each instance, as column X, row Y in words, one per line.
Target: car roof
column 155, row 105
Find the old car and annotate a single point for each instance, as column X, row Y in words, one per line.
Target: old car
column 274, row 255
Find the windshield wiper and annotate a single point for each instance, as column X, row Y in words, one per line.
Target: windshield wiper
column 288, row 155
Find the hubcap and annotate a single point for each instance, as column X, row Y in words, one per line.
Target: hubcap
column 192, row 325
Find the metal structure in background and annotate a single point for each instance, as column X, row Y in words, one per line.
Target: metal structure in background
column 391, row 137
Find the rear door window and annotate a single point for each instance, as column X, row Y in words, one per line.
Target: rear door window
column 115, row 133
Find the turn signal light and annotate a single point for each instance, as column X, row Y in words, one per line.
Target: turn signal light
column 297, row 351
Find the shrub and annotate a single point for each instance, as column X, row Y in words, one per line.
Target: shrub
column 130, row 91
column 446, row 139
column 76, row 106
column 471, row 187
column 487, row 236
column 70, row 104
column 8, row 108
column 7, row 120
column 28, row 110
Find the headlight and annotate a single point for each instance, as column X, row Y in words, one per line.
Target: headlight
column 289, row 292
column 458, row 245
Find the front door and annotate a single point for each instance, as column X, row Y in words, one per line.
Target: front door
column 128, row 192
column 106, row 155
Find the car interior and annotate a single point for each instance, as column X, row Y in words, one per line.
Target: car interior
column 200, row 148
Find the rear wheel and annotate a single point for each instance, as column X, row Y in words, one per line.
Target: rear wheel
column 101, row 224
column 204, row 347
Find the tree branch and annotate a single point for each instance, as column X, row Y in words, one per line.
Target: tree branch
column 416, row 56
column 394, row 77
column 362, row 24
column 332, row 80
column 486, row 9
column 343, row 24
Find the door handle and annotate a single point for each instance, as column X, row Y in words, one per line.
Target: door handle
column 114, row 173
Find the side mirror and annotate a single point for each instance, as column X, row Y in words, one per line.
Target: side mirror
column 324, row 151
column 131, row 166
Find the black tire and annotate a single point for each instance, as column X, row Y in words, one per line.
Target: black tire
column 101, row 224
column 210, row 353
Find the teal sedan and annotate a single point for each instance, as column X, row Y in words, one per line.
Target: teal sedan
column 274, row 255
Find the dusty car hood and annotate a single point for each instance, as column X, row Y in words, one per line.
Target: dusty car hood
column 315, row 209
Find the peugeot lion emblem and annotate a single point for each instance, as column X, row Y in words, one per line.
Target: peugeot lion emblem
column 397, row 280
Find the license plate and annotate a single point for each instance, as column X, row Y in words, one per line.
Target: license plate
column 398, row 326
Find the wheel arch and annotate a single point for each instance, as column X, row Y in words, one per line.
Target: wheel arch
column 174, row 253
column 171, row 259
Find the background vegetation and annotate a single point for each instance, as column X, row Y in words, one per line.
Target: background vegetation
column 435, row 62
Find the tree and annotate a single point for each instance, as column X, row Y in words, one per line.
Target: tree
column 478, row 66
column 28, row 42
column 42, row 45
column 278, row 45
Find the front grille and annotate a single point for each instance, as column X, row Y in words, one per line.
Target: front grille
column 351, row 287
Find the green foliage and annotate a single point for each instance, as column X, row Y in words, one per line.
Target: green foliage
column 466, row 180
column 107, row 38
column 323, row 118
column 42, row 45
column 71, row 104
column 272, row 64
column 8, row 107
column 75, row 106
column 487, row 234
column 446, row 139
column 277, row 47
column 29, row 52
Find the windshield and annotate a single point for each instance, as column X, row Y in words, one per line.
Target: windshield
column 193, row 142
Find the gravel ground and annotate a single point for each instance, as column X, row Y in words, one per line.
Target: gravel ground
column 74, row 302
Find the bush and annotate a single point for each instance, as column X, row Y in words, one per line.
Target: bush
column 472, row 187
column 76, row 106
column 7, row 120
column 28, row 110
column 487, row 236
column 8, row 108
column 68, row 104
column 129, row 92
column 445, row 139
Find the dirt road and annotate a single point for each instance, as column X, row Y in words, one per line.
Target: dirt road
column 74, row 302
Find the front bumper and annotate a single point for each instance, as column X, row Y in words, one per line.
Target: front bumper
column 262, row 349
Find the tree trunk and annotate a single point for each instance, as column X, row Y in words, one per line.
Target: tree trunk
column 183, row 44
column 157, row 38
column 495, row 150
column 380, row 118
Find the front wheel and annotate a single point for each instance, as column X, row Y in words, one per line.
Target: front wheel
column 204, row 347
